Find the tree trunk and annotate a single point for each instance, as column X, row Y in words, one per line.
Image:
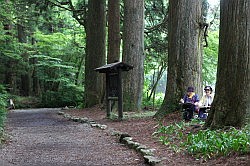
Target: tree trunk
column 156, row 78
column 231, row 106
column 114, row 38
column 95, row 47
column 78, row 78
column 184, row 52
column 133, row 53
column 10, row 76
column 35, row 81
column 25, row 76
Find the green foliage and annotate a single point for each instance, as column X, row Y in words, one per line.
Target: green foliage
column 57, row 66
column 216, row 143
column 56, row 55
column 172, row 133
column 59, row 56
column 210, row 59
column 153, row 103
column 53, row 54
column 26, row 102
column 205, row 143
column 155, row 62
column 64, row 45
column 3, row 104
column 67, row 95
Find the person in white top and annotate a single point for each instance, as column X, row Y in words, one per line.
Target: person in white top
column 205, row 102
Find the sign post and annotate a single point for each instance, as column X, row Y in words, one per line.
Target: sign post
column 114, row 85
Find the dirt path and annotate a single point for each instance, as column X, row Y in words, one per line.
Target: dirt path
column 39, row 137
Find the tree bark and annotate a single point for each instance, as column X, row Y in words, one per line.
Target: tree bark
column 231, row 106
column 184, row 52
column 78, row 79
column 25, row 76
column 35, row 81
column 10, row 76
column 133, row 53
column 95, row 55
column 114, row 38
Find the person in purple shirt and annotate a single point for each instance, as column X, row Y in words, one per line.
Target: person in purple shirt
column 190, row 103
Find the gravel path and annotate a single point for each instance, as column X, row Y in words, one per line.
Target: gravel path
column 40, row 137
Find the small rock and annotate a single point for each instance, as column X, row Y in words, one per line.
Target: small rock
column 75, row 119
column 147, row 151
column 94, row 125
column 132, row 144
column 123, row 135
column 65, row 108
column 151, row 160
column 60, row 113
column 67, row 116
column 84, row 120
column 115, row 133
column 141, row 147
column 91, row 122
column 103, row 127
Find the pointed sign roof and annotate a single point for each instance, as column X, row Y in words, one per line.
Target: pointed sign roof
column 113, row 67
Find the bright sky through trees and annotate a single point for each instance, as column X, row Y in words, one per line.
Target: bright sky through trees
column 213, row 2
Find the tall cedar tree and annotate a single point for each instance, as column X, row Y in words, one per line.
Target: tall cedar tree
column 35, row 80
column 10, row 63
column 95, row 52
column 25, row 76
column 114, row 39
column 231, row 106
column 184, row 52
column 133, row 53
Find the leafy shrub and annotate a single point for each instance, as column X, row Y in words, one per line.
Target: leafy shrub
column 205, row 143
column 68, row 95
column 3, row 99
column 153, row 102
column 218, row 142
column 172, row 133
column 72, row 95
column 26, row 102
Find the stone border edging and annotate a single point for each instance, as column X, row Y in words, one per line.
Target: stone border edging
column 148, row 153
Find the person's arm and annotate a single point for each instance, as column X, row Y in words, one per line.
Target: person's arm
column 212, row 95
column 201, row 102
column 196, row 100
column 182, row 100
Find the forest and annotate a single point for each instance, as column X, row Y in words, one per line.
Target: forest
column 50, row 49
column 43, row 51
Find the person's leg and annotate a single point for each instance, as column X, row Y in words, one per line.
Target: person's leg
column 185, row 114
column 201, row 112
column 191, row 112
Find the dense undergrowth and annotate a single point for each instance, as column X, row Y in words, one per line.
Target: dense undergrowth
column 3, row 104
column 204, row 143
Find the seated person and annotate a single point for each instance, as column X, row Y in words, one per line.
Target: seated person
column 205, row 102
column 192, row 98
